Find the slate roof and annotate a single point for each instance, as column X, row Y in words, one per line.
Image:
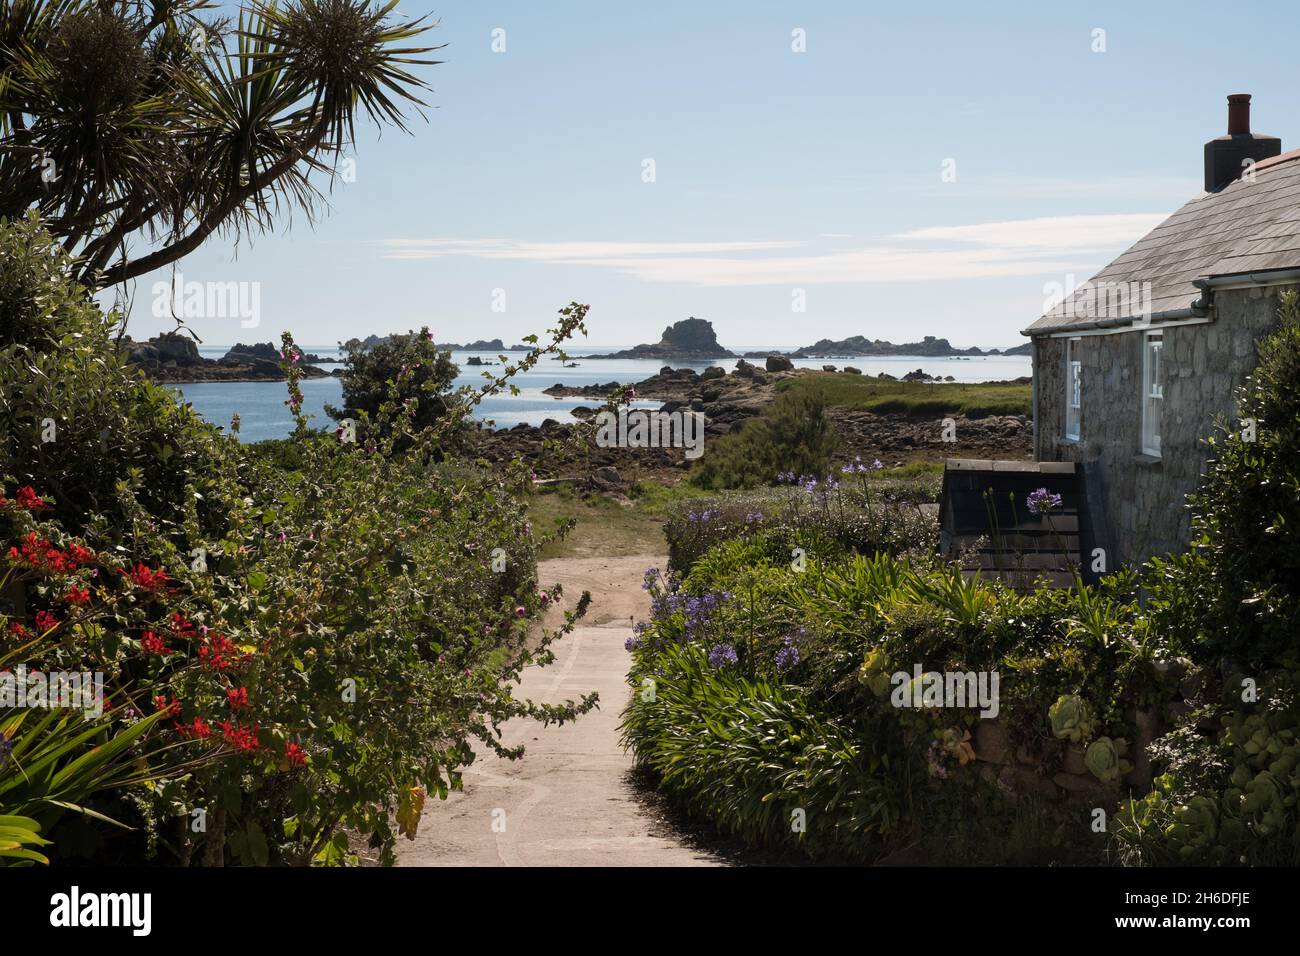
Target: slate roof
column 1245, row 227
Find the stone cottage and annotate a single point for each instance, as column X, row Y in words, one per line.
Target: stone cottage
column 1132, row 369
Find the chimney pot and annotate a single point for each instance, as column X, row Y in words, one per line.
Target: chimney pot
column 1227, row 157
column 1238, row 114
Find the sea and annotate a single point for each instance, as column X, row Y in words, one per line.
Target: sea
column 263, row 413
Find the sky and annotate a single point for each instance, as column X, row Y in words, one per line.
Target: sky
column 789, row 171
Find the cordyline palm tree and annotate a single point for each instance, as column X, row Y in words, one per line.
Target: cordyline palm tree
column 129, row 123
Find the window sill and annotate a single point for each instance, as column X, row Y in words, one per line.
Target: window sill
column 1143, row 460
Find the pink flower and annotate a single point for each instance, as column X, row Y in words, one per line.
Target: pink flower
column 519, row 611
column 543, row 596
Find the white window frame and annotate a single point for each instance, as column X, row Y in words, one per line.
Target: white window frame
column 1073, row 391
column 1153, row 391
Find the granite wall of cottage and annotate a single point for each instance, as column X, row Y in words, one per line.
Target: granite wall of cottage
column 1139, row 502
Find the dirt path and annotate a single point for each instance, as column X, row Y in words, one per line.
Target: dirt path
column 568, row 802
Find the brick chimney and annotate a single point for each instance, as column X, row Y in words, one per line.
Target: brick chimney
column 1224, row 156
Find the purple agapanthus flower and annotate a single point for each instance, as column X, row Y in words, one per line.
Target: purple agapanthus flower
column 1042, row 501
column 651, row 579
column 723, row 655
column 787, row 656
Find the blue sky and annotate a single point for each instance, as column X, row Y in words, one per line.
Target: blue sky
column 774, row 170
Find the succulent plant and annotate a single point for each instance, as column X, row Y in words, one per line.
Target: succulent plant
column 1071, row 719
column 1105, row 761
column 875, row 672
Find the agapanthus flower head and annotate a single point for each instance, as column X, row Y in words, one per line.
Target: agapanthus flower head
column 1041, row 501
column 723, row 655
column 787, row 656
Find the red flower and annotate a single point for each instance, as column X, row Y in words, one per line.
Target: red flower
column 241, row 738
column 28, row 498
column 198, row 727
column 181, row 626
column 39, row 553
column 147, row 579
column 295, row 755
column 17, row 628
column 77, row 595
column 218, row 653
column 45, row 622
column 171, row 707
column 151, row 643
column 80, row 555
column 237, row 697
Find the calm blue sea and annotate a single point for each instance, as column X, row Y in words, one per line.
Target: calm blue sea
column 263, row 414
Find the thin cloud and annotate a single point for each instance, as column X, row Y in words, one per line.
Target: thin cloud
column 933, row 253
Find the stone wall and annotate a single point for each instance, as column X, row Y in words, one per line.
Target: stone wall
column 1140, row 501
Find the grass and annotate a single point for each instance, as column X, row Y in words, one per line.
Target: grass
column 606, row 526
column 974, row 400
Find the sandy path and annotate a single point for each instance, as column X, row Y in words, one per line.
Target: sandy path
column 567, row 802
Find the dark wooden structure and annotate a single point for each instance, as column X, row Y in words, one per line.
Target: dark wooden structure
column 986, row 525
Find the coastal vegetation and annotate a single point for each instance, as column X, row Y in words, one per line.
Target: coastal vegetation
column 1148, row 720
column 294, row 644
column 933, row 399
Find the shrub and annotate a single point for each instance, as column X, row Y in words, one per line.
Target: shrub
column 832, row 637
column 793, row 434
column 397, row 369
column 823, row 517
column 298, row 643
column 759, row 762
column 77, row 420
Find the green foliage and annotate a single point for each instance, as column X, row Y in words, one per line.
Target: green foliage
column 1226, row 796
column 823, row 518
column 882, row 396
column 76, row 419
column 793, row 434
column 400, row 369
column 1071, row 719
column 854, row 621
column 300, row 641
column 760, row 762
column 119, row 118
column 17, row 836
